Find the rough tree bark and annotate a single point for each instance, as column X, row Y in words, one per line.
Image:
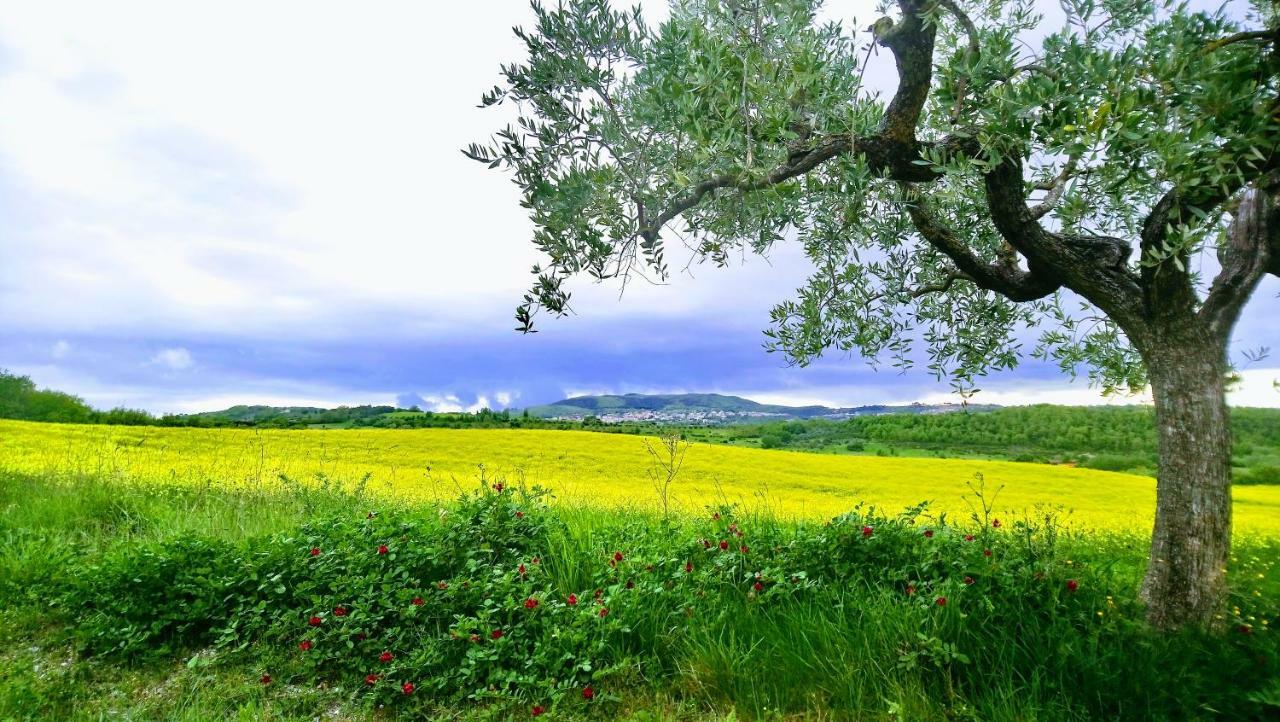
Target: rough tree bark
column 1192, row 535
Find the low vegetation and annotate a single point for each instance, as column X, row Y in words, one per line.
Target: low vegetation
column 298, row 601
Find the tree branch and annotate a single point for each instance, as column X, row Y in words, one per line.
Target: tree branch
column 1247, row 254
column 962, row 83
column 1243, row 37
column 1003, row 277
column 911, row 42
column 1056, row 188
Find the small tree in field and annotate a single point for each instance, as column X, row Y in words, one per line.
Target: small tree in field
column 1073, row 181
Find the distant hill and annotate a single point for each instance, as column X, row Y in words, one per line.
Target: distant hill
column 716, row 408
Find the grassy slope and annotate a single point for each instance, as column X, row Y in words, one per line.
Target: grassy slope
column 595, row 468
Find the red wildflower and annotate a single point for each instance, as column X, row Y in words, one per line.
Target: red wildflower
column 688, row 567
column 743, row 549
column 475, row 638
column 536, row 560
column 537, row 710
column 866, row 531
column 572, row 600
column 496, row 634
column 928, row 533
column 305, row 645
column 519, row 515
column 604, row 611
column 599, row 593
column 724, row 546
column 315, row 551
column 315, row 621
column 383, row 549
column 986, row 552
column 588, row 693
column 339, row 611
column 1246, row 629
column 617, row 556
column 716, row 516
column 631, row 584
column 371, row 679
column 369, row 515
column 968, row 580
column 531, row 603
column 1072, row 585
column 407, row 688
column 418, row 601
column 758, row 587
column 441, row 585
column 968, row 537
column 995, row 523
column 911, row 590
column 706, row 543
column 521, row 570
column 498, row 487
column 266, row 679
column 940, row 601
column 386, row 657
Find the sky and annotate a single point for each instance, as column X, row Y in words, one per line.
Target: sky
column 242, row 202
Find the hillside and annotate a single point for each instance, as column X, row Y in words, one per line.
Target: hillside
column 715, row 409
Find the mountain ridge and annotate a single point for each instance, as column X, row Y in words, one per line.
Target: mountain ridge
column 712, row 408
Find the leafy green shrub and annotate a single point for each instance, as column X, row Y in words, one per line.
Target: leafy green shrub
column 1115, row 462
column 1260, row 475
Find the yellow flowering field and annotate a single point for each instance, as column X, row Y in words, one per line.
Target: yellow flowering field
column 593, row 468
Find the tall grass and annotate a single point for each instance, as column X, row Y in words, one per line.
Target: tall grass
column 835, row 634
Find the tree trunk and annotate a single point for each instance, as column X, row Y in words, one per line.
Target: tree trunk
column 1186, row 573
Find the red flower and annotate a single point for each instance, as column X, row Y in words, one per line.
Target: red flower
column 531, row 603
column 498, row 488
column 536, row 560
column 911, row 590
column 688, row 567
column 407, row 688
column 631, row 584
column 519, row 515
column 995, row 523
column 537, row 710
column 371, row 679
column 386, row 657
column 572, row 600
column 305, row 645
column 758, row 587
column 1246, row 629
column 724, row 546
column 315, row 621
column 521, row 570
column 339, row 611
column 866, row 531
column 928, row 533
column 940, row 601
column 716, row 516
column 383, row 549
column 968, row 537
column 604, row 611
column 617, row 556
column 986, row 552
column 441, row 585
column 743, row 549
column 315, row 551
column 418, row 602
column 1072, row 585
column 588, row 693
column 475, row 638
column 496, row 634
column 369, row 515
column 968, row 580
column 266, row 679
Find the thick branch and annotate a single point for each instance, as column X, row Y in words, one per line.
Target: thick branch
column 911, row 42
column 1003, row 277
column 1093, row 266
column 1243, row 37
column 1246, row 256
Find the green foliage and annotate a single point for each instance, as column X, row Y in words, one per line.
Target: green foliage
column 784, row 619
column 20, row 399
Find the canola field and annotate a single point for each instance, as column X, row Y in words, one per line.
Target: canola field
column 594, row 469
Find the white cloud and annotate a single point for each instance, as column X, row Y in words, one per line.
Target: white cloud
column 60, row 350
column 174, row 359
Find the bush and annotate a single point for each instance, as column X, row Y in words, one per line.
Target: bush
column 1260, row 475
column 1116, row 462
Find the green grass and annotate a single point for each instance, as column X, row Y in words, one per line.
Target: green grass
column 846, row 642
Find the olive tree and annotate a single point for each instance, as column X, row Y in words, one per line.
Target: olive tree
column 1105, row 187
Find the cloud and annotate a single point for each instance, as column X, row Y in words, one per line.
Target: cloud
column 174, row 359
column 60, row 350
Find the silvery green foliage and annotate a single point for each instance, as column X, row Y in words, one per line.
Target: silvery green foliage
column 736, row 125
